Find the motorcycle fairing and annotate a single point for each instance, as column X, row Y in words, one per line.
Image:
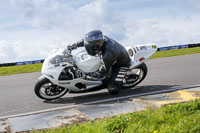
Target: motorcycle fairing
column 140, row 53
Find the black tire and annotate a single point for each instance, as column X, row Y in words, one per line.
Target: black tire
column 42, row 81
column 144, row 69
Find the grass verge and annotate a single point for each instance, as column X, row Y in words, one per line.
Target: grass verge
column 20, row 69
column 177, row 52
column 37, row 67
column 179, row 118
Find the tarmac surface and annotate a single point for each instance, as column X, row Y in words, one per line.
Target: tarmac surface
column 19, row 103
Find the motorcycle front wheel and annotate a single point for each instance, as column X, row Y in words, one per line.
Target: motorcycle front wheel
column 135, row 76
column 46, row 90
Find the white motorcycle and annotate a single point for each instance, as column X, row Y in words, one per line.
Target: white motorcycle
column 65, row 71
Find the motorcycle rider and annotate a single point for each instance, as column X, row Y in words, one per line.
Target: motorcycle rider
column 113, row 56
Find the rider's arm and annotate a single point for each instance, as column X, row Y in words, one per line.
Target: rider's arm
column 79, row 43
column 76, row 45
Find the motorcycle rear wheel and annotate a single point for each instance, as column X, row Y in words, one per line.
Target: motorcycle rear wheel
column 46, row 90
column 135, row 76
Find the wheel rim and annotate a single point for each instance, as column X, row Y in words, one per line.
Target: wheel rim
column 131, row 81
column 50, row 91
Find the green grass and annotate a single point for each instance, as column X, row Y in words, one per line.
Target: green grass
column 20, row 69
column 177, row 52
column 179, row 118
column 37, row 67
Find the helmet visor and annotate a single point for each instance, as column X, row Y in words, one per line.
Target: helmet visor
column 92, row 48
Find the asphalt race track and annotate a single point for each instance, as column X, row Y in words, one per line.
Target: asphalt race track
column 17, row 94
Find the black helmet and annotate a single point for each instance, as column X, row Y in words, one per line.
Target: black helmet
column 93, row 42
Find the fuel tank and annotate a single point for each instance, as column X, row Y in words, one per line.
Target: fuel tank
column 87, row 63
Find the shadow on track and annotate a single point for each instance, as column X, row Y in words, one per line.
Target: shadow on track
column 79, row 98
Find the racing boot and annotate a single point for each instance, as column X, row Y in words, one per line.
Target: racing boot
column 114, row 88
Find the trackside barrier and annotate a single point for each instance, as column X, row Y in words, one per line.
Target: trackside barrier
column 179, row 47
column 21, row 63
column 159, row 49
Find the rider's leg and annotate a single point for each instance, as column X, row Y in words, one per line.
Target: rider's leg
column 113, row 85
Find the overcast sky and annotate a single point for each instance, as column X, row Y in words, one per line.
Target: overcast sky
column 30, row 29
